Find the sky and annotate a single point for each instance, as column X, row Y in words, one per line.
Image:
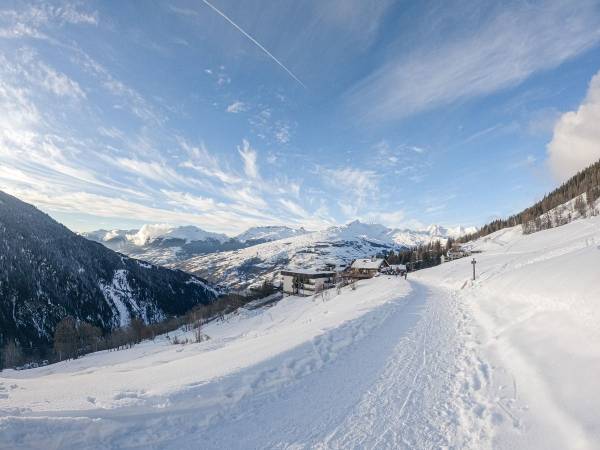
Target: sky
column 226, row 114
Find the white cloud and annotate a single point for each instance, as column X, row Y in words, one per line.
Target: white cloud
column 237, row 107
column 148, row 169
column 392, row 219
column 29, row 21
column 282, row 133
column 203, row 162
column 357, row 180
column 576, row 140
column 59, row 83
column 508, row 48
column 191, row 201
column 356, row 185
column 294, row 208
column 249, row 156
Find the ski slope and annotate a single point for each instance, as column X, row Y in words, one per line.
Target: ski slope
column 509, row 361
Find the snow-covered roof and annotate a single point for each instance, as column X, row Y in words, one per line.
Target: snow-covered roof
column 367, row 263
column 398, row 266
column 311, row 273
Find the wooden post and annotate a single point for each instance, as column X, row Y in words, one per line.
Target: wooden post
column 473, row 263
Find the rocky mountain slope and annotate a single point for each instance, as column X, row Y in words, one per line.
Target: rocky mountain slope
column 48, row 272
column 336, row 245
column 166, row 244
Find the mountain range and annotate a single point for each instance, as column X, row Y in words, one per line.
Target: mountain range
column 170, row 245
column 166, row 244
column 337, row 245
column 48, row 272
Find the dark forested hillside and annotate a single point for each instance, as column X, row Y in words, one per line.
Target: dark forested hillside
column 585, row 182
column 48, row 272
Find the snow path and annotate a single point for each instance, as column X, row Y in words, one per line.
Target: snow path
column 510, row 361
column 399, row 376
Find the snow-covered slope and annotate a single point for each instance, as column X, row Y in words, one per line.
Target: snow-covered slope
column 233, row 261
column 431, row 234
column 536, row 306
column 269, row 233
column 166, row 244
column 336, row 245
column 164, row 232
column 47, row 272
column 508, row 361
column 151, row 233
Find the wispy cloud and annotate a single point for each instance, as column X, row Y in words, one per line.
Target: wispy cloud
column 34, row 21
column 237, row 107
column 513, row 44
column 355, row 186
column 294, row 207
column 249, row 157
column 283, row 133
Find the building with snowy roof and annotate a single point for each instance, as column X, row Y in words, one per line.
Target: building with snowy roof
column 306, row 281
column 367, row 267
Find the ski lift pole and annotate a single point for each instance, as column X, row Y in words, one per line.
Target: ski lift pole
column 473, row 263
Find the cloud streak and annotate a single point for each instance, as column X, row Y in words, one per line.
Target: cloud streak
column 508, row 48
column 254, row 41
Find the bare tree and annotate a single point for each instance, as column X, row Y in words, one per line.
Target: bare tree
column 65, row 339
column 12, row 356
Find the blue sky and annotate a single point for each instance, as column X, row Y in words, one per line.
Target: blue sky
column 231, row 114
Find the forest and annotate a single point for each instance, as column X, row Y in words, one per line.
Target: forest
column 584, row 187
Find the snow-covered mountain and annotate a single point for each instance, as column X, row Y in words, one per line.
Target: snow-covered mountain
column 269, row 233
column 337, row 245
column 431, row 234
column 259, row 252
column 47, row 272
column 163, row 243
column 166, row 244
column 509, row 360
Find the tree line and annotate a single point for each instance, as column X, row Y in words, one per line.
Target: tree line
column 420, row 256
column 74, row 338
column 544, row 214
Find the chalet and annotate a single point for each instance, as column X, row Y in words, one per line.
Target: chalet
column 457, row 252
column 396, row 269
column 367, row 267
column 306, row 281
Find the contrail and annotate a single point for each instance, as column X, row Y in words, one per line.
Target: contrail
column 254, row 41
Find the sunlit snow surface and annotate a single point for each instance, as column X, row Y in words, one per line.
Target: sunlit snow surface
column 509, row 361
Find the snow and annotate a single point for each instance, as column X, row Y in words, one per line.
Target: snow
column 309, row 272
column 156, row 377
column 535, row 305
column 149, row 233
column 367, row 263
column 252, row 265
column 270, row 233
column 511, row 360
column 117, row 294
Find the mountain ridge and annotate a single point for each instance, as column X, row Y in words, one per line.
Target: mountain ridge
column 48, row 272
column 337, row 245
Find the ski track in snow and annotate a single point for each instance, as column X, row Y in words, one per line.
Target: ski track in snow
column 509, row 361
column 389, row 379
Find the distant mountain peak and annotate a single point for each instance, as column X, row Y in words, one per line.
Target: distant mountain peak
column 269, row 233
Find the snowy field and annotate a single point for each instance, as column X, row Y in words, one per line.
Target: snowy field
column 509, row 361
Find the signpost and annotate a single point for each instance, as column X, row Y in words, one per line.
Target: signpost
column 473, row 263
